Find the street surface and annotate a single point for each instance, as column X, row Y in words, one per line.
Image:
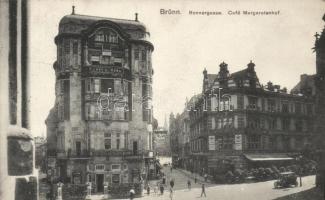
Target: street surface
column 245, row 191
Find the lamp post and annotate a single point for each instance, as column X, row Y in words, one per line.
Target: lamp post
column 219, row 98
column 298, row 159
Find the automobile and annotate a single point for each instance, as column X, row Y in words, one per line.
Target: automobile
column 286, row 179
column 165, row 164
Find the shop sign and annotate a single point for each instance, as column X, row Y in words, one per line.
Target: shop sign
column 238, row 142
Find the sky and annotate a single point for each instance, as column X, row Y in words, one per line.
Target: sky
column 280, row 45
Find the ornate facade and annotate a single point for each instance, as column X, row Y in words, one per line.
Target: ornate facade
column 99, row 129
column 237, row 123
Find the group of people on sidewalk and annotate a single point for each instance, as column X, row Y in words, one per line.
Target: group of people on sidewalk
column 159, row 187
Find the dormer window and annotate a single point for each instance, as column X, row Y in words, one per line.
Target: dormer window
column 100, row 38
column 112, row 38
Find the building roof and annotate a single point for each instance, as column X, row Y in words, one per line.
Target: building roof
column 82, row 22
column 211, row 78
column 305, row 81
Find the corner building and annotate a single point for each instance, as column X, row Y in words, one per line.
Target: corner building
column 99, row 129
column 237, row 123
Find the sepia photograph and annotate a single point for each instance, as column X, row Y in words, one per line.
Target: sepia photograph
column 162, row 99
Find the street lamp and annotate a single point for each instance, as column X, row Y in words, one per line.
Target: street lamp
column 298, row 159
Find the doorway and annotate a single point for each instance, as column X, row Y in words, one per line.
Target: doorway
column 135, row 147
column 100, row 182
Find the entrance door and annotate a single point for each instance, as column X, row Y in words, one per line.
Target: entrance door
column 135, row 148
column 100, row 182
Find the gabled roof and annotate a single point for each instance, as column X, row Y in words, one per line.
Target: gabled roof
column 239, row 74
column 211, row 78
column 308, row 81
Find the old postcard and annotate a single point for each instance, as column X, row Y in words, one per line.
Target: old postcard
column 162, row 99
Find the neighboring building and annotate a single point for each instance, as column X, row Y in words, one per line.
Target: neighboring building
column 100, row 128
column 40, row 153
column 237, row 123
column 161, row 142
column 181, row 136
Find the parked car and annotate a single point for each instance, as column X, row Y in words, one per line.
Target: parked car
column 286, row 179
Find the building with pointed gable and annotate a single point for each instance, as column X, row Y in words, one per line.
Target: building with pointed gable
column 237, row 123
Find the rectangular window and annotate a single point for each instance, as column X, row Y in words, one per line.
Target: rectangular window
column 66, row 100
column 309, row 109
column 240, row 102
column 241, row 123
column 136, row 54
column 298, row 108
column 107, row 135
column 107, row 84
column 106, row 52
column 118, row 143
column 100, row 167
column 285, row 107
column 88, row 84
column 97, row 85
column 143, row 55
column 115, row 167
column 285, row 124
column 135, row 148
column 66, row 47
column 252, row 103
column 75, row 48
column 254, row 142
column 271, row 105
column 108, row 144
column 78, row 148
column 100, row 38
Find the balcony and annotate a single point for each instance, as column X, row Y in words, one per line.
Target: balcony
column 253, row 107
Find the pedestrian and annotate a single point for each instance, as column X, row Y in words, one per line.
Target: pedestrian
column 172, row 183
column 162, row 189
column 300, row 174
column 171, row 193
column 148, row 189
column 155, row 189
column 203, row 190
column 189, row 184
column 164, row 180
column 195, row 179
column 132, row 193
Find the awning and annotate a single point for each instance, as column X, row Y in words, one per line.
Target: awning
column 267, row 157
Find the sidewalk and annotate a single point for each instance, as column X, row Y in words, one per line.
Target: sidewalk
column 191, row 175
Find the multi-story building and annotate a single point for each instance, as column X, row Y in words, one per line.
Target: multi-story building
column 161, row 142
column 40, row 153
column 99, row 129
column 239, row 123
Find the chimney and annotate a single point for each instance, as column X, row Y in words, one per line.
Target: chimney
column 223, row 67
column 270, row 86
column 205, row 73
column 136, row 17
column 73, row 10
column 251, row 66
